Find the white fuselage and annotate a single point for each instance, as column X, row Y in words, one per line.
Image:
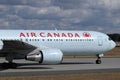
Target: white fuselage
column 71, row 43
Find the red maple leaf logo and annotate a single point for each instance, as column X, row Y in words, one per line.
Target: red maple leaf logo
column 86, row 34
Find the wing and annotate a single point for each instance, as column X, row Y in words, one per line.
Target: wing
column 18, row 48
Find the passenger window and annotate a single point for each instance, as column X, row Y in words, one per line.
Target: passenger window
column 43, row 40
column 26, row 39
column 21, row 39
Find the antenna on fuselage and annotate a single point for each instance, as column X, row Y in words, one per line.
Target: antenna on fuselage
column 56, row 29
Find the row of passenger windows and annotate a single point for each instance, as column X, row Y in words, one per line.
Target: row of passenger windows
column 59, row 40
column 53, row 39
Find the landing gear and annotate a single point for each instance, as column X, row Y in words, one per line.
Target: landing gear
column 98, row 61
column 10, row 63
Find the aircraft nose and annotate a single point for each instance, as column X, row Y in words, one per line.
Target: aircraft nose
column 113, row 44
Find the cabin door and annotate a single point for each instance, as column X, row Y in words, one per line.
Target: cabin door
column 100, row 41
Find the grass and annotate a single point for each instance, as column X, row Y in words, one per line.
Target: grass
column 113, row 53
column 89, row 76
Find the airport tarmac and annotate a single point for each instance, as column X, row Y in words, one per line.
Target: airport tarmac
column 68, row 66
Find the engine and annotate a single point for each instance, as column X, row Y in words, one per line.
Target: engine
column 48, row 56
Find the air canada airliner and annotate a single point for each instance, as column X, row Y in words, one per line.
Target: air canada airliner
column 49, row 46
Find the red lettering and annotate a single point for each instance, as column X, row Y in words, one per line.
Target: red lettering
column 64, row 35
column 33, row 34
column 70, row 35
column 42, row 34
column 49, row 35
column 56, row 35
column 22, row 34
column 77, row 35
column 27, row 34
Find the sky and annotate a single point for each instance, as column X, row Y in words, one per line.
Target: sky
column 96, row 15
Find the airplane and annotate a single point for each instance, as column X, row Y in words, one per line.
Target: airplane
column 49, row 46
